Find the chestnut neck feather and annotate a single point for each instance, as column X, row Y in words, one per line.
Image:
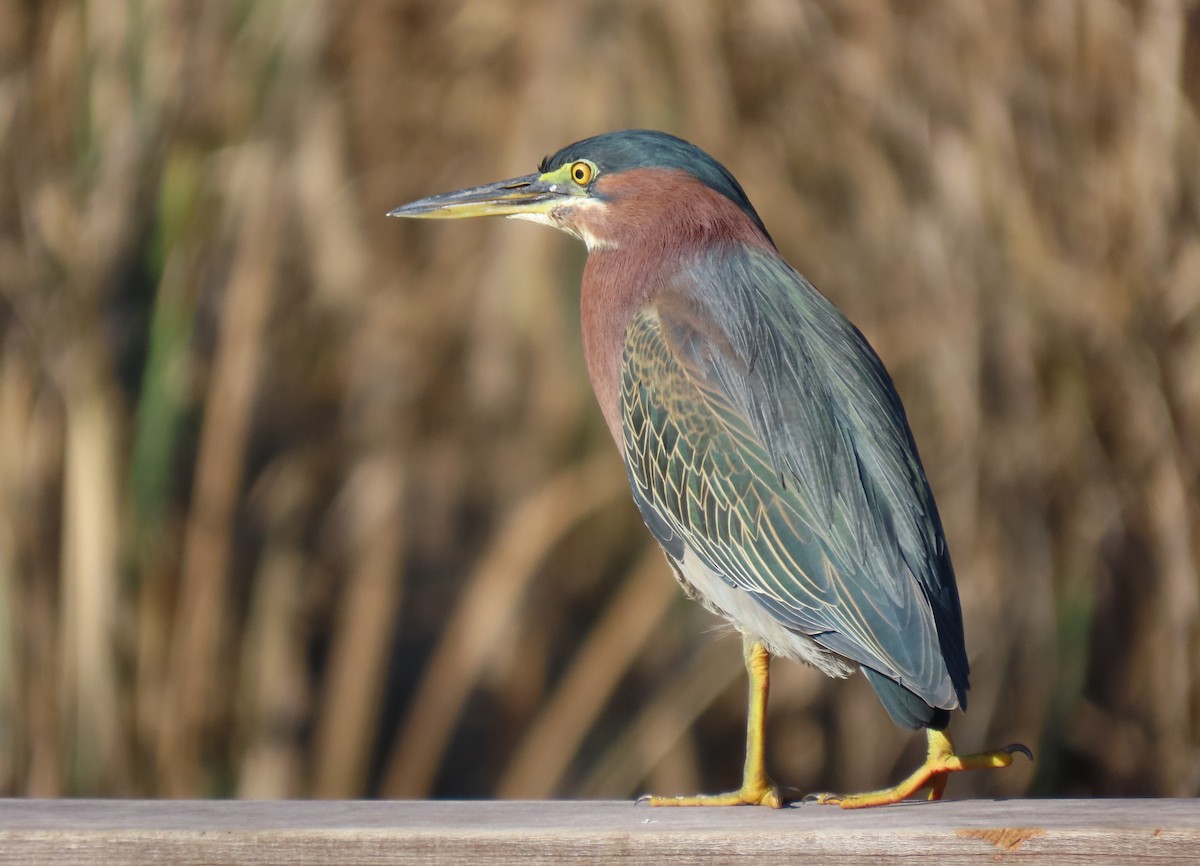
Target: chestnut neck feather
column 655, row 223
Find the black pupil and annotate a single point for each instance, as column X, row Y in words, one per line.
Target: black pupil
column 579, row 174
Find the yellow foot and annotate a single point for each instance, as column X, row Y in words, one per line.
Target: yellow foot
column 757, row 788
column 757, row 795
column 940, row 761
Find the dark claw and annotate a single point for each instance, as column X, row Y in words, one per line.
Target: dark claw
column 1018, row 747
column 645, row 798
column 790, row 795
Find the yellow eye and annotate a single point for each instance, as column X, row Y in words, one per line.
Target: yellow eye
column 582, row 173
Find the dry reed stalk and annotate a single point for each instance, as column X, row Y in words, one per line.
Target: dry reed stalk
column 201, row 635
column 274, row 696
column 88, row 621
column 363, row 633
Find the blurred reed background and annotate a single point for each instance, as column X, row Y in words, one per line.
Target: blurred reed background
column 296, row 500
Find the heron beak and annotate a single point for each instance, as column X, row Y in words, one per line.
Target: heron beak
column 531, row 194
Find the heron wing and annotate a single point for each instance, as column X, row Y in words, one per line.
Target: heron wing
column 763, row 434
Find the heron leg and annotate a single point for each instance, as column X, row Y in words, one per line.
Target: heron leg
column 757, row 788
column 940, row 761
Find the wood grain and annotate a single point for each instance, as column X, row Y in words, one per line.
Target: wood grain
column 60, row 832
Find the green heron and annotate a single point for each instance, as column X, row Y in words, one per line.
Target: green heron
column 766, row 446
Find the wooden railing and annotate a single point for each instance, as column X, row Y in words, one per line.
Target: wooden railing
column 523, row 833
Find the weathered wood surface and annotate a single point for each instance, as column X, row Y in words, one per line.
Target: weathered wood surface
column 562, row 832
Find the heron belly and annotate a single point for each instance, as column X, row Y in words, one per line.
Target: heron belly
column 752, row 619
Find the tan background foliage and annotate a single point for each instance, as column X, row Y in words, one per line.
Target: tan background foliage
column 296, row 500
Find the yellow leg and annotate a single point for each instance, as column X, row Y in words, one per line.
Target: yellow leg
column 939, row 761
column 757, row 788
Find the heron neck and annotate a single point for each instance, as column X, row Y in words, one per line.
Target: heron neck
column 647, row 253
